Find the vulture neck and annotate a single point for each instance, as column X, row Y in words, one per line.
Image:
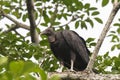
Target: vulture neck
column 52, row 38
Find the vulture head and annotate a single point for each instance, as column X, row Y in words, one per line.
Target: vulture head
column 49, row 32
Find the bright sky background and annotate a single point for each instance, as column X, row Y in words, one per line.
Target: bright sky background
column 91, row 32
column 96, row 31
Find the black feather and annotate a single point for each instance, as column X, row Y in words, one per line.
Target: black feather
column 66, row 43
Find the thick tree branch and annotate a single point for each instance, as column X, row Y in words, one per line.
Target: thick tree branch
column 34, row 34
column 84, row 76
column 21, row 25
column 102, row 36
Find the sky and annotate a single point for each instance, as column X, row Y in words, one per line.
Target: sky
column 96, row 31
column 91, row 32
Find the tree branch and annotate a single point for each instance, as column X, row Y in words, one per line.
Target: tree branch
column 34, row 34
column 84, row 76
column 13, row 27
column 21, row 25
column 102, row 36
column 74, row 17
column 53, row 17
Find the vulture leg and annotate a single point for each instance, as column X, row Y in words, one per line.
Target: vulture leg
column 73, row 57
column 61, row 66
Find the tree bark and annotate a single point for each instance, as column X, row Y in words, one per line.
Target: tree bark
column 84, row 76
column 18, row 24
column 33, row 32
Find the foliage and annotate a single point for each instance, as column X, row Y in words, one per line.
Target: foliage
column 20, row 70
column 106, row 64
column 21, row 60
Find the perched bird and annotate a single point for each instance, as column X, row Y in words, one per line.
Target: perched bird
column 69, row 48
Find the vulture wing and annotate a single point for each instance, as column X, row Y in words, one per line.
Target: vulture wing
column 77, row 44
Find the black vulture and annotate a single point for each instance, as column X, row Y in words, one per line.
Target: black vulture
column 69, row 48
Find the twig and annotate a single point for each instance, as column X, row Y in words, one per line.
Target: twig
column 40, row 16
column 13, row 27
column 53, row 17
column 102, row 36
column 73, row 19
column 19, row 35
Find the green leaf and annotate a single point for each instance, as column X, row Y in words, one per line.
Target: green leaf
column 38, row 4
column 98, row 20
column 92, row 8
column 77, row 24
column 90, row 40
column 44, row 42
column 118, row 46
column 44, row 24
column 92, row 44
column 117, row 62
column 56, row 23
column 16, row 67
column 38, row 30
column 95, row 13
column 29, row 66
column 106, row 55
column 115, row 38
column 3, row 60
column 117, row 24
column 42, row 73
column 113, row 47
column 79, row 5
column 104, row 2
column 90, row 22
column 17, row 13
column 36, row 15
column 65, row 16
column 7, row 10
column 46, row 18
column 112, row 32
column 24, row 17
column 87, row 6
column 83, row 25
column 67, row 27
column 82, row 16
column 118, row 30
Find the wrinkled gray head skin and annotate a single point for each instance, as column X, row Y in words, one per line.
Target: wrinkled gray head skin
column 48, row 32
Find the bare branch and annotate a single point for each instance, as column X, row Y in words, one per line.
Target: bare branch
column 34, row 34
column 102, row 36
